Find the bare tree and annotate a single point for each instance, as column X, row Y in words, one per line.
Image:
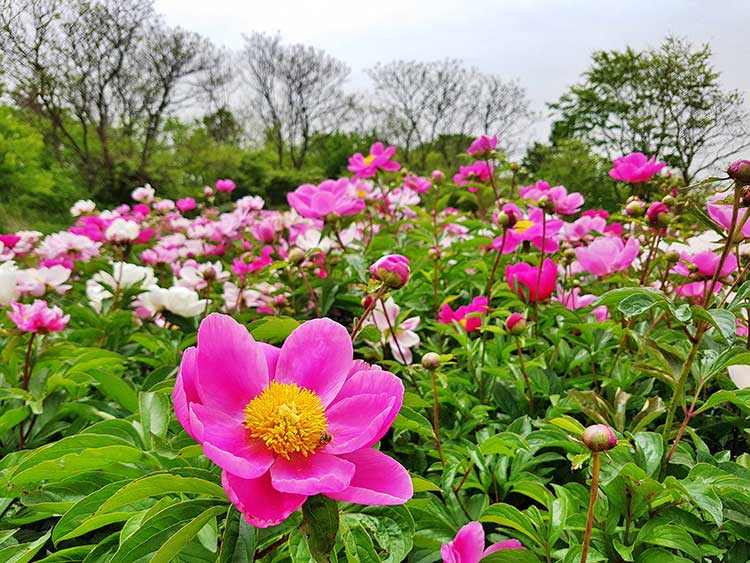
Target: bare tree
column 103, row 74
column 422, row 103
column 296, row 92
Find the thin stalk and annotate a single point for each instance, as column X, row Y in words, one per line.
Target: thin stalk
column 25, row 385
column 595, row 466
column 727, row 247
column 524, row 372
column 491, row 279
column 688, row 416
column 436, row 416
column 492, row 179
column 392, row 331
column 367, row 312
column 311, row 292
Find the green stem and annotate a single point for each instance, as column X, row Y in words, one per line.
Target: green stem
column 595, row 465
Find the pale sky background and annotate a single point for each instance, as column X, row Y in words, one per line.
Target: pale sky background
column 546, row 44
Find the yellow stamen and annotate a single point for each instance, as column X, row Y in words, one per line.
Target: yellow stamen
column 288, row 418
column 368, row 159
column 462, row 322
column 522, row 225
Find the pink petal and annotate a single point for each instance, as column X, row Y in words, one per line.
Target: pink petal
column 184, row 389
column 228, row 444
column 232, row 368
column 262, row 505
column 363, row 383
column 354, row 422
column 317, row 356
column 272, row 357
column 468, row 547
column 378, row 480
column 506, row 544
column 318, row 473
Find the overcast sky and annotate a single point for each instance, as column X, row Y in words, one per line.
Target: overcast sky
column 545, row 43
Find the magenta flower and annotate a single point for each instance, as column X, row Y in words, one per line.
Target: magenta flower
column 225, row 185
column 635, row 167
column 607, row 255
column 468, row 316
column 417, row 183
column 285, row 424
column 38, row 317
column 331, row 197
column 515, row 323
column 739, row 170
column 392, row 270
column 479, row 172
column 468, row 546
column 655, row 212
column 542, row 236
column 482, row 146
column 186, row 204
column 524, row 280
column 380, row 158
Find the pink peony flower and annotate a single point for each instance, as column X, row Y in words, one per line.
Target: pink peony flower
column 482, row 146
column 739, row 170
column 515, row 323
column 526, row 275
column 417, row 183
column 225, row 185
column 635, row 167
column 38, row 317
column 479, row 172
column 722, row 216
column 392, row 270
column 186, row 204
column 606, row 255
column 542, row 236
column 403, row 338
column 380, row 158
column 563, row 203
column 331, row 197
column 468, row 546
column 703, row 266
column 572, row 299
column 285, row 424
column 468, row 316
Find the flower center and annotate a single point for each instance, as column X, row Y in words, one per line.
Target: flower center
column 289, row 419
column 521, row 226
column 369, row 158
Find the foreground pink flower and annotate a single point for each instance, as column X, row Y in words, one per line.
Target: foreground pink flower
column 38, row 317
column 607, row 255
column 331, row 197
column 468, row 316
column 525, row 281
column 481, row 146
column 635, row 167
column 284, row 424
column 468, row 546
column 380, row 158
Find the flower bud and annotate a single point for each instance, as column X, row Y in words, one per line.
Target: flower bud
column 503, row 219
column 635, row 209
column 392, row 270
column 431, row 361
column 672, row 256
column 296, row 256
column 514, row 167
column 516, row 324
column 438, row 176
column 433, row 253
column 599, row 438
column 658, row 214
column 740, row 171
column 668, row 200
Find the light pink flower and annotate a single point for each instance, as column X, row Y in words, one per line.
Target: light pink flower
column 606, row 255
column 722, row 215
column 635, row 167
column 38, row 317
column 380, row 158
column 403, row 338
column 704, row 265
column 563, row 202
column 572, row 299
column 391, row 269
column 285, row 424
column 331, row 197
column 468, row 546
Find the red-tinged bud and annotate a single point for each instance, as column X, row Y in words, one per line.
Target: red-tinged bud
column 599, row 438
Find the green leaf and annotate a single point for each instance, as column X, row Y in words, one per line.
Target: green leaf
column 157, row 528
column 669, row 536
column 369, row 333
column 511, row 556
column 725, row 322
column 649, row 452
column 321, row 516
column 510, row 517
column 636, row 304
column 10, row 418
column 169, row 549
column 239, row 540
column 392, row 528
column 154, row 409
column 70, row 525
column 358, row 545
column 569, row 424
column 24, row 552
column 740, row 397
column 272, row 330
column 655, row 555
column 158, row 485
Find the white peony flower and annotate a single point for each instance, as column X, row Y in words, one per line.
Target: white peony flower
column 82, row 206
column 8, row 278
column 122, row 230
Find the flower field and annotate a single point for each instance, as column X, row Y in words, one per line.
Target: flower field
column 452, row 367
